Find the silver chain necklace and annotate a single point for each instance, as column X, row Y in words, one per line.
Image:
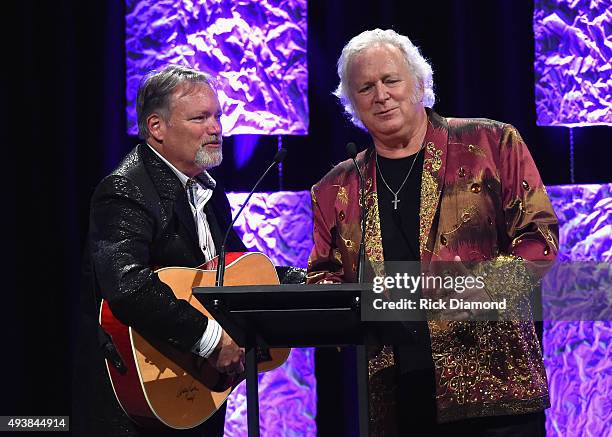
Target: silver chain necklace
column 395, row 200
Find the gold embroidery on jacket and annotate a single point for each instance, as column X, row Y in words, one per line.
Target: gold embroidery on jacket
column 373, row 235
column 476, row 150
column 429, row 192
column 511, row 136
column 313, row 197
column 434, row 163
column 383, row 386
column 342, row 195
column 467, row 214
column 383, row 359
column 483, row 364
column 545, row 231
column 350, row 245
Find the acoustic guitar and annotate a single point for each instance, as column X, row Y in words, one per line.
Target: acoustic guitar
column 165, row 387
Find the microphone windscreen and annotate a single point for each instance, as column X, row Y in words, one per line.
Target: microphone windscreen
column 280, row 155
column 351, row 150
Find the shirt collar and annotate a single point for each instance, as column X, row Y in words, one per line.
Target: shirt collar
column 204, row 179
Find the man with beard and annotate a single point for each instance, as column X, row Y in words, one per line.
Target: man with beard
column 438, row 190
column 160, row 207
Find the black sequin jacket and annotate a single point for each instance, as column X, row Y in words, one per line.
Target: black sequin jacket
column 140, row 219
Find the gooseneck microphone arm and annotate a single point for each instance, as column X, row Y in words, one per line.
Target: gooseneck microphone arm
column 361, row 351
column 351, row 151
column 280, row 155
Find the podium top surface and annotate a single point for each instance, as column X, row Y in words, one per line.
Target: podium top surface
column 290, row 315
column 283, row 288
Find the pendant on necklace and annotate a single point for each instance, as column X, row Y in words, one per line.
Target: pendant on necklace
column 395, row 201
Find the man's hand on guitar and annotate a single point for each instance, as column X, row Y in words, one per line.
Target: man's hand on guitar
column 228, row 357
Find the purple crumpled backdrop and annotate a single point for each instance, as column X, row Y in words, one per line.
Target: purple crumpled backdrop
column 287, row 400
column 255, row 48
column 578, row 354
column 279, row 225
column 573, row 62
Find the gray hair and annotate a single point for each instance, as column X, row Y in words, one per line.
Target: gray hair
column 417, row 64
column 156, row 88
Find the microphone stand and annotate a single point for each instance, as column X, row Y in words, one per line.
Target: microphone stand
column 220, row 275
column 250, row 346
column 361, row 350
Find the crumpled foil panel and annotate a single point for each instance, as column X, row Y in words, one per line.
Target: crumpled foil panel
column 578, row 354
column 573, row 62
column 279, row 225
column 255, row 48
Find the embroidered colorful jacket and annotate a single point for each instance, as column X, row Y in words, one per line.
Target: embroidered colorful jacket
column 481, row 199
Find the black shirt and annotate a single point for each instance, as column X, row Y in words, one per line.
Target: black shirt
column 400, row 237
column 400, row 227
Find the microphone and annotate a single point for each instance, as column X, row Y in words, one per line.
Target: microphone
column 351, row 151
column 278, row 158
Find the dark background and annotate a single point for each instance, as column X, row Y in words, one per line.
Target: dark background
column 64, row 128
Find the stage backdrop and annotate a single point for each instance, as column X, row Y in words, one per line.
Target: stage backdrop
column 573, row 50
column 578, row 354
column 255, row 48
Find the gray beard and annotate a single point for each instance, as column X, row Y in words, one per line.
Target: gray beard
column 206, row 159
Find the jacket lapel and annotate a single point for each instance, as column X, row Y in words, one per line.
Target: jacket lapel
column 373, row 237
column 171, row 192
column 184, row 214
column 434, row 168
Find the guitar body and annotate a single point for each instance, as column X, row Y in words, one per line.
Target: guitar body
column 165, row 387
